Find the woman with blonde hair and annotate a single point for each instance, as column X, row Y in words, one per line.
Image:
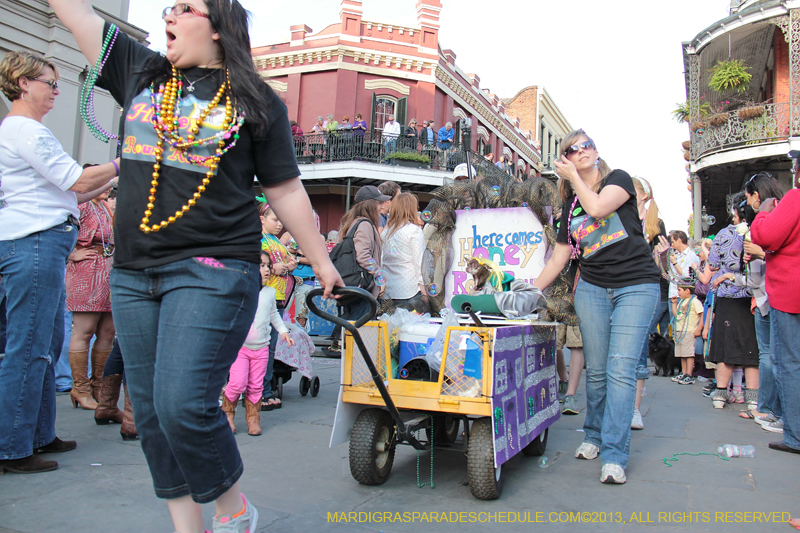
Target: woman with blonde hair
column 403, row 247
column 615, row 298
column 652, row 227
column 39, row 214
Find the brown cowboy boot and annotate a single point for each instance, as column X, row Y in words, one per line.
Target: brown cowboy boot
column 229, row 408
column 253, row 417
column 99, row 358
column 128, row 428
column 81, row 393
column 107, row 410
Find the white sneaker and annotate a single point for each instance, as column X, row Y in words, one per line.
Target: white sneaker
column 637, row 422
column 587, row 451
column 612, row 473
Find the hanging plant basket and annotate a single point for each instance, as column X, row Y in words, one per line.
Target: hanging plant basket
column 719, row 119
column 699, row 125
column 687, row 155
column 730, row 75
column 686, row 144
column 750, row 112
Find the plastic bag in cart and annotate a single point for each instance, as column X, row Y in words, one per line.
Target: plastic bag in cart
column 434, row 355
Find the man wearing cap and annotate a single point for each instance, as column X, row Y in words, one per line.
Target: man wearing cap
column 461, row 172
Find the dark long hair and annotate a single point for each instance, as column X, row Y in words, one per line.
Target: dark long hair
column 231, row 21
column 765, row 185
column 366, row 208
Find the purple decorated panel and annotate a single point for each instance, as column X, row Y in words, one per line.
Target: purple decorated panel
column 525, row 391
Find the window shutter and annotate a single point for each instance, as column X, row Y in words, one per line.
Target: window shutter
column 372, row 113
column 400, row 112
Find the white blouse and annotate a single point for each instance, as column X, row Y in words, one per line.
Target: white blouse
column 35, row 175
column 402, row 260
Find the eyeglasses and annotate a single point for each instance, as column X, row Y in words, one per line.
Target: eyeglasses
column 585, row 145
column 180, row 9
column 51, row 83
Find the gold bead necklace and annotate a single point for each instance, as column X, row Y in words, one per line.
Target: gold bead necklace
column 166, row 105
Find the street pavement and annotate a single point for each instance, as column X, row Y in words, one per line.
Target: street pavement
column 298, row 482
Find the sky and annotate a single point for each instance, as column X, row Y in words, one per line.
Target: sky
column 614, row 68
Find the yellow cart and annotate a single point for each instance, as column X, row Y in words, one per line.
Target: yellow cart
column 394, row 409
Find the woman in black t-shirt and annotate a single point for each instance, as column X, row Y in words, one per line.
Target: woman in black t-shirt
column 185, row 280
column 616, row 297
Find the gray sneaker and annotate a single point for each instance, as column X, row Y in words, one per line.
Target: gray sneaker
column 775, row 427
column 570, row 405
column 562, row 390
column 246, row 522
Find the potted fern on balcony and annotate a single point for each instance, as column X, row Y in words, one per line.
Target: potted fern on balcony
column 730, row 75
column 409, row 159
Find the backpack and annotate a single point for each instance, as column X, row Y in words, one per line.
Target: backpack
column 343, row 257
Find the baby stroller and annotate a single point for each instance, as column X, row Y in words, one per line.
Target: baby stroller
column 295, row 358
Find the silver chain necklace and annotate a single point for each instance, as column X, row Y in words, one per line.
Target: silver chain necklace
column 190, row 88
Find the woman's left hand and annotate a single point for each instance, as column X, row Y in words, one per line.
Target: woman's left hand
column 566, row 169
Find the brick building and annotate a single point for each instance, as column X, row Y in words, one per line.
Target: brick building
column 538, row 113
column 377, row 69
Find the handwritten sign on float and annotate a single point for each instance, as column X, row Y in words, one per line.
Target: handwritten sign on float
column 512, row 237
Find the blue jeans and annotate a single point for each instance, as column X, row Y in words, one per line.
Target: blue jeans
column 180, row 327
column 63, row 371
column 768, row 400
column 614, row 324
column 642, row 372
column 662, row 318
column 2, row 320
column 785, row 338
column 33, row 270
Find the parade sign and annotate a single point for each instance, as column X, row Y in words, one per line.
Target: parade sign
column 525, row 392
column 511, row 237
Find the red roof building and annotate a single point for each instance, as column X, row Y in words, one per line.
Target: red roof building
column 377, row 69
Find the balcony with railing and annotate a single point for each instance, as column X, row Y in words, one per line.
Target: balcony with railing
column 743, row 127
column 377, row 148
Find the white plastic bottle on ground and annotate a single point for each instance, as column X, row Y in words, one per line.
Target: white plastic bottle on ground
column 736, row 450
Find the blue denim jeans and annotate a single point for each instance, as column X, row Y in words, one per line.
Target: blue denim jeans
column 615, row 324
column 180, row 327
column 768, row 399
column 62, row 368
column 662, row 318
column 2, row 320
column 642, row 372
column 785, row 338
column 33, row 270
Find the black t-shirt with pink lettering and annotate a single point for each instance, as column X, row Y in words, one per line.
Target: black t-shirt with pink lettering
column 614, row 252
column 224, row 223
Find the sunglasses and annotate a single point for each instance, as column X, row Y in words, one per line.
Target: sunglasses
column 51, row 83
column 180, row 9
column 585, row 145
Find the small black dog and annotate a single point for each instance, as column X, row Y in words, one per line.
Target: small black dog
column 662, row 354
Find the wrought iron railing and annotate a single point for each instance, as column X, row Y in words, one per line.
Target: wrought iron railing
column 374, row 148
column 742, row 127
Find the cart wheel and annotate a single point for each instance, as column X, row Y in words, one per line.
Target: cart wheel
column 279, row 388
column 372, row 447
column 314, row 386
column 445, row 429
column 485, row 481
column 305, row 384
column 536, row 447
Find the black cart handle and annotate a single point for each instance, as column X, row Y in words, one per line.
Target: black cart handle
column 404, row 432
column 343, row 291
